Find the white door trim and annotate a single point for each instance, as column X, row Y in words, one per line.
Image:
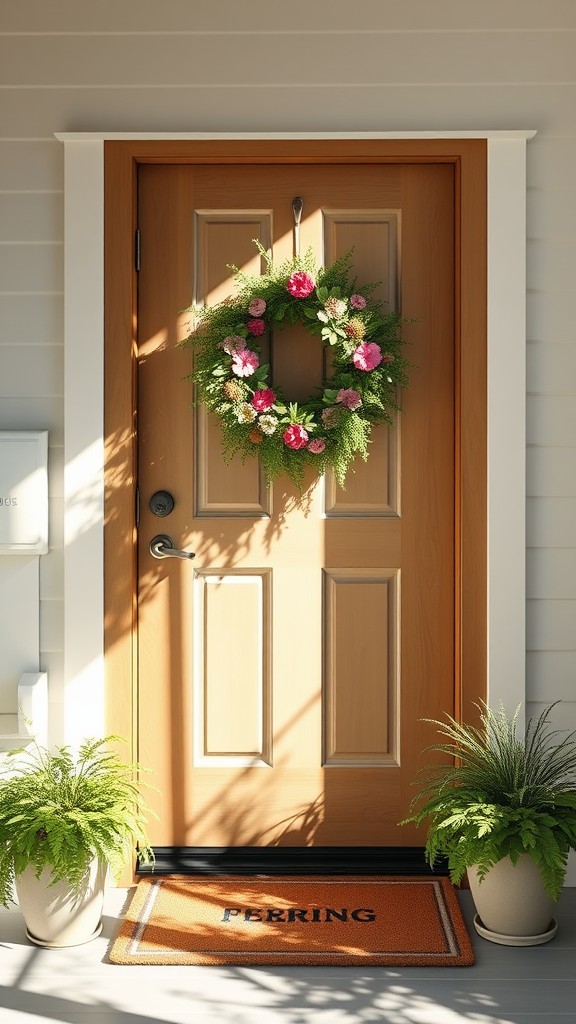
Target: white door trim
column 84, row 409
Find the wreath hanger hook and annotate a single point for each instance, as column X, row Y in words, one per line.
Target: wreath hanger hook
column 297, row 207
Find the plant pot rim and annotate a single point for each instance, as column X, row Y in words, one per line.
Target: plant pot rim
column 515, row 940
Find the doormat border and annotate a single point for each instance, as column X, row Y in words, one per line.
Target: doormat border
column 292, row 860
column 128, row 947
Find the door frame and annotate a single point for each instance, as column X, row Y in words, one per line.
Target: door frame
column 490, row 513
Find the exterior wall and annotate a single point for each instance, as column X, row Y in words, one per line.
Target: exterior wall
column 379, row 66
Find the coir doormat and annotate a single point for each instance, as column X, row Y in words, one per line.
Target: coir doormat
column 352, row 921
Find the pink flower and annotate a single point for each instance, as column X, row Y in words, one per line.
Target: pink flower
column 367, row 355
column 256, row 327
column 295, row 436
column 257, row 307
column 233, row 343
column 300, row 284
column 358, row 302
column 317, row 446
column 244, row 363
column 263, row 399
column 349, row 398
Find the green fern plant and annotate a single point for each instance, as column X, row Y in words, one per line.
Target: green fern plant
column 500, row 796
column 59, row 810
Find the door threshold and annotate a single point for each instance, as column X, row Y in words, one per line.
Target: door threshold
column 292, row 860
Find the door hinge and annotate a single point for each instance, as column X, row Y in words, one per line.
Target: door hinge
column 137, row 250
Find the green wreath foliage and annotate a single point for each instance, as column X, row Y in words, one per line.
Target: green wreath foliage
column 367, row 367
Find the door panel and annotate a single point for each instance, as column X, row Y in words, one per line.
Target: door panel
column 284, row 672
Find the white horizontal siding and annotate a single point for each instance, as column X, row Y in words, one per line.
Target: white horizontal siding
column 551, row 574
column 32, row 370
column 31, row 165
column 550, row 522
column 551, row 471
column 33, row 414
column 551, row 419
column 544, row 666
column 31, row 216
column 548, row 263
column 222, row 59
column 31, row 267
column 31, row 319
column 551, row 368
column 458, row 106
column 303, row 67
column 111, row 17
column 550, row 315
column 31, row 344
column 551, row 213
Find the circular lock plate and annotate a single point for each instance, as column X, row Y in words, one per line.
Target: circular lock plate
column 161, row 503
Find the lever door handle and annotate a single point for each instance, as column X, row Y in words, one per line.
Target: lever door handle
column 162, row 546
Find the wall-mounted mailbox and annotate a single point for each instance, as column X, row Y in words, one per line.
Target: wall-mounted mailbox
column 23, row 492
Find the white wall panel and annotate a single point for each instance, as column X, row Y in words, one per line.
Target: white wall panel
column 551, row 522
column 33, row 414
column 551, row 419
column 55, row 470
column 543, row 666
column 551, row 213
column 30, row 370
column 221, row 59
column 66, row 16
column 31, row 216
column 551, row 160
column 52, row 662
column 327, row 106
column 32, row 268
column 31, row 165
column 551, row 574
column 31, row 319
column 56, row 522
column 550, row 315
column 551, row 368
column 19, row 625
column 551, row 471
column 551, row 625
column 51, row 626
column 550, row 263
column 52, row 575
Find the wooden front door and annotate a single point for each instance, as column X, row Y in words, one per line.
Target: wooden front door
column 276, row 684
column 284, row 672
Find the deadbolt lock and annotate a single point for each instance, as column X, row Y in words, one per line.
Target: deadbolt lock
column 161, row 503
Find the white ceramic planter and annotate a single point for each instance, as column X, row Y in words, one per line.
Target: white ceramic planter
column 54, row 915
column 512, row 903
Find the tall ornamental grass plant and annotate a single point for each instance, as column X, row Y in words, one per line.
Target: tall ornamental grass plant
column 501, row 796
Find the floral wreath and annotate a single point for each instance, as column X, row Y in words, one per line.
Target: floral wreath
column 367, row 367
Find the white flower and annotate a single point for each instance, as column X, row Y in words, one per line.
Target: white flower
column 246, row 414
column 335, row 307
column 268, row 424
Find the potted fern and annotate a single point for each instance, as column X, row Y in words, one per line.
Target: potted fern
column 65, row 819
column 504, row 812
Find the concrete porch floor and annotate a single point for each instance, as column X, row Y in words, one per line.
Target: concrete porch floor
column 535, row 985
